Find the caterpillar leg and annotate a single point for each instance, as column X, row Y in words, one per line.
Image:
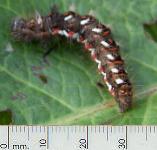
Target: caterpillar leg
column 45, row 55
column 100, row 83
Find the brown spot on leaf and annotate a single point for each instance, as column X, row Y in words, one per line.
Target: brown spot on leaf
column 19, row 96
column 37, row 68
column 42, row 77
column 36, row 71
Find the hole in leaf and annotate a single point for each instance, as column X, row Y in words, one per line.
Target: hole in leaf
column 151, row 30
column 5, row 117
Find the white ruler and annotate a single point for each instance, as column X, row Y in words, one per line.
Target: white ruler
column 78, row 137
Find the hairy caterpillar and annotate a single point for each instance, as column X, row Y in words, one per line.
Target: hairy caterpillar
column 95, row 37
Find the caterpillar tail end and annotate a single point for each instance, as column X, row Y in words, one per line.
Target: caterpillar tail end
column 124, row 97
column 124, row 107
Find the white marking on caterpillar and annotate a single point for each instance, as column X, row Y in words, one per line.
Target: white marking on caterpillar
column 114, row 70
column 15, row 24
column 104, row 74
column 85, row 41
column 91, row 49
column 97, row 30
column 119, row 81
column 68, row 17
column 105, row 44
column 75, row 36
column 78, row 38
column 99, row 63
column 65, row 33
column 38, row 18
column 83, row 22
column 109, row 86
column 110, row 56
column 61, row 32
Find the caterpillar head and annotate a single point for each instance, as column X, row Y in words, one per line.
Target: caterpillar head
column 26, row 30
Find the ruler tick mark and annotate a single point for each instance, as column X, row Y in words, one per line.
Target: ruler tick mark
column 24, row 129
column 28, row 132
column 107, row 133
column 126, row 137
column 146, row 133
column 142, row 129
column 8, row 138
column 111, row 129
column 16, row 129
column 47, row 137
column 103, row 129
column 87, row 137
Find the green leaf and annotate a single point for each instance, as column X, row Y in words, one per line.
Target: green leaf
column 66, row 91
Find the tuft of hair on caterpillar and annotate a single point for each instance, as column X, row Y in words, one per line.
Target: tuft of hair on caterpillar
column 95, row 37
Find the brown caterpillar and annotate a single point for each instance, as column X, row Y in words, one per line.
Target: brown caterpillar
column 95, row 37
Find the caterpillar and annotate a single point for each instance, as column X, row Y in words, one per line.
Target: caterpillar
column 95, row 37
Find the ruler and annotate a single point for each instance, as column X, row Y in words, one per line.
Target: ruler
column 78, row 137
